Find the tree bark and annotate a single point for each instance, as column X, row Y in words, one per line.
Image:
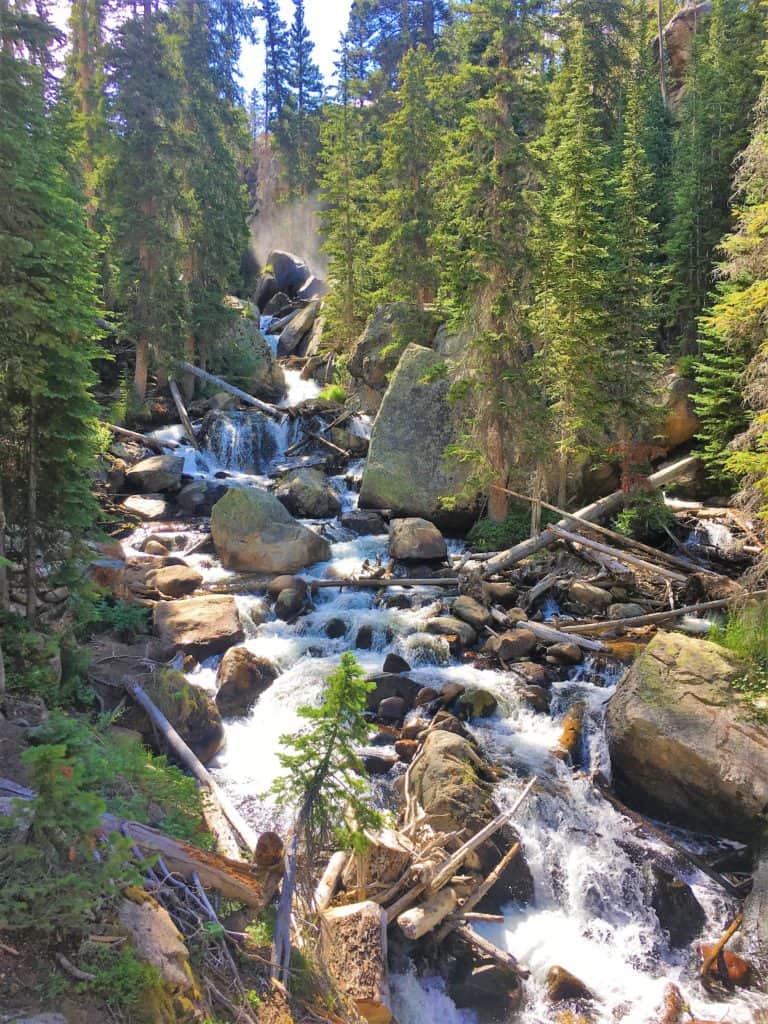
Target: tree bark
column 141, row 370
column 181, row 409
column 31, row 596
column 3, row 567
column 662, row 62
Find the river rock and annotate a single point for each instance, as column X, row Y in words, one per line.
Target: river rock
column 156, row 939
column 199, row 497
column 290, row 271
column 242, row 677
column 157, row 474
column 391, row 329
column 562, row 986
column 199, row 625
column 447, row 625
column 277, row 306
column 363, row 522
column 356, row 445
column 416, row 540
column 536, row 697
column 285, row 582
column 588, row 596
column 154, row 547
column 175, row 580
column 449, row 781
column 478, row 703
column 253, row 532
column 394, row 663
column 679, row 912
column 307, row 494
column 297, row 330
column 682, row 741
column 354, row 944
column 489, row 988
column 504, row 594
column 379, row 764
column 290, row 603
column 407, row 470
column 625, row 611
column 313, row 288
column 566, row 653
column 335, row 629
column 392, row 708
column 390, row 684
column 266, row 290
column 511, row 645
column 150, row 507
column 471, row 611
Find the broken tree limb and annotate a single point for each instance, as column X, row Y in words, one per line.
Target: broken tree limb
column 265, row 407
column 491, row 950
column 148, row 442
column 653, row 617
column 328, row 444
column 718, row 947
column 181, row 409
column 482, row 890
column 555, row 636
column 577, row 523
column 447, row 869
column 427, row 915
column 620, row 556
column 329, row 880
column 244, row 831
column 598, row 509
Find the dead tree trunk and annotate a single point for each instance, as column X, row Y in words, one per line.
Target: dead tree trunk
column 141, row 370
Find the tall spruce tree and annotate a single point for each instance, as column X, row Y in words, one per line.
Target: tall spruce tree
column 299, row 129
column 276, row 63
column 574, row 242
column 47, row 305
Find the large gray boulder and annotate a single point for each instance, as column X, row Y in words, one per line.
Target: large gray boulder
column 389, row 332
column 289, row 271
column 416, row 540
column 159, row 473
column 684, row 744
column 253, row 532
column 298, row 329
column 307, row 494
column 199, row 625
column 407, row 470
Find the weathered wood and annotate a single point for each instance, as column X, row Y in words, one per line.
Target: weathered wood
column 556, row 636
column 465, row 911
column 492, row 951
column 328, row 444
column 354, row 945
column 654, row 617
column 719, row 946
column 598, row 509
column 244, row 831
column 269, row 410
column 148, row 442
column 181, row 409
column 329, row 880
column 328, row 426
column 384, row 859
column 620, row 556
column 447, row 869
column 428, row 915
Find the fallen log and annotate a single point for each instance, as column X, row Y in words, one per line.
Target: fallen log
column 653, row 617
column 243, row 830
column 629, row 542
column 465, row 910
column 620, row 556
column 329, row 880
column 328, row 444
column 427, row 916
column 492, row 951
column 148, row 442
column 232, row 878
column 269, row 410
column 181, row 409
column 598, row 509
column 557, row 636
column 718, row 947
column 328, row 426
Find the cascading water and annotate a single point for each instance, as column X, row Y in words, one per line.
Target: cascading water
column 592, row 912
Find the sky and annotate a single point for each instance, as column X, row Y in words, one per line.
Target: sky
column 326, row 20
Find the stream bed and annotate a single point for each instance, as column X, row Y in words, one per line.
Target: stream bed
column 592, row 912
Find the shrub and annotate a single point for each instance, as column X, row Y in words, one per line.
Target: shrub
column 333, row 393
column 746, row 634
column 646, row 518
column 31, row 658
column 487, row 535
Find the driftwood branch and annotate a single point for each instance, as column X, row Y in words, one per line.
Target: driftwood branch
column 556, row 636
column 718, row 947
column 265, row 407
column 491, row 950
column 148, row 442
column 620, row 556
column 654, row 617
column 181, row 409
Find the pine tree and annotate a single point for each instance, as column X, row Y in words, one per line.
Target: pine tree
column 85, row 81
column 574, row 243
column 483, row 224
column 276, row 63
column 405, row 186
column 47, row 306
column 721, row 89
column 299, row 124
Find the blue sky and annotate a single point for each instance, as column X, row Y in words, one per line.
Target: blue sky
column 326, row 20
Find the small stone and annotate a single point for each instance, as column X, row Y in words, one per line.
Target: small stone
column 512, row 645
column 392, row 708
column 534, row 674
column 426, row 695
column 280, row 583
column 406, row 750
column 289, row 604
column 562, row 986
column 394, row 663
column 379, row 764
column 535, row 697
column 471, row 611
column 335, row 629
column 625, row 611
column 567, row 653
column 364, row 638
column 447, row 625
column 269, row 850
column 154, row 547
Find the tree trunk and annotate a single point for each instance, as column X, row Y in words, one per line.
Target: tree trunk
column 31, row 515
column 141, row 371
column 187, row 380
column 662, row 64
column 2, row 672
column 3, row 567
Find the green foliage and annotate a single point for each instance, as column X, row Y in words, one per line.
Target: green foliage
column 325, row 782
column 437, row 372
column 56, row 884
column 333, row 393
column 112, row 615
column 746, row 634
column 30, row 658
column 487, row 535
column 121, row 979
column 646, row 518
column 262, row 932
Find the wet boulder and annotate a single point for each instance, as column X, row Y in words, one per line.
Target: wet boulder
column 363, row 522
column 407, row 470
column 416, row 540
column 289, row 271
column 684, row 744
column 157, row 474
column 175, row 580
column 278, row 305
column 290, row 603
column 471, row 611
column 307, row 494
column 389, row 684
column 280, row 583
column 565, row 653
column 512, row 645
column 477, row 703
column 199, row 625
column 447, row 625
column 242, row 677
column 679, row 912
column 253, row 532
column 562, row 986
column 199, row 497
column 394, row 663
column 266, row 290
column 299, row 327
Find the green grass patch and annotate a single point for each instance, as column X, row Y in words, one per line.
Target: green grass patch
column 487, row 535
column 745, row 633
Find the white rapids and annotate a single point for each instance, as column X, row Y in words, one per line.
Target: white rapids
column 591, row 913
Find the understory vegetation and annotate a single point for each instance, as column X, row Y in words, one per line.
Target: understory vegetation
column 745, row 632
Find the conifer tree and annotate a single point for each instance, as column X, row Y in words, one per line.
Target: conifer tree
column 47, row 305
column 405, row 186
column 276, row 63
column 299, row 128
column 85, row 80
column 573, row 243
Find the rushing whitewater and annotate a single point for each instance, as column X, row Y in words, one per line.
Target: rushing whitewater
column 591, row 913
